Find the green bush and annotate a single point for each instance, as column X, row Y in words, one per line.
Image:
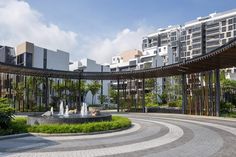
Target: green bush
column 151, row 105
column 116, row 123
column 177, row 103
column 6, row 113
column 16, row 126
column 226, row 107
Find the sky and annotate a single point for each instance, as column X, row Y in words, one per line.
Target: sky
column 96, row 29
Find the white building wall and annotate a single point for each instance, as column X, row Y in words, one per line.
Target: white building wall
column 57, row 60
column 38, row 57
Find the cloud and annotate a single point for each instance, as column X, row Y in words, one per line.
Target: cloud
column 102, row 50
column 19, row 23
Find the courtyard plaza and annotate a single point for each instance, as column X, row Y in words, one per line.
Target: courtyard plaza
column 152, row 135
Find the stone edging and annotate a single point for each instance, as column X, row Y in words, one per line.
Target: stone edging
column 80, row 134
column 63, row 134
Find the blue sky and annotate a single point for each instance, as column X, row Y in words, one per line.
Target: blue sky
column 97, row 29
column 106, row 17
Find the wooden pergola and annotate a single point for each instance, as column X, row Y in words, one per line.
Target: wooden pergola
column 220, row 58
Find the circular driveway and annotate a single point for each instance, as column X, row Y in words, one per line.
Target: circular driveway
column 154, row 135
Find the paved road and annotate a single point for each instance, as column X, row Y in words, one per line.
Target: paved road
column 152, row 135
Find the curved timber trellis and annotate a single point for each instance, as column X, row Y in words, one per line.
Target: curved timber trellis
column 222, row 57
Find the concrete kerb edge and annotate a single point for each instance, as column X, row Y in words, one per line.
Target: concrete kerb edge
column 81, row 134
column 14, row 136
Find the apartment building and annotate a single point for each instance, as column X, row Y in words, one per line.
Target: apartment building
column 194, row 38
column 30, row 55
column 7, row 55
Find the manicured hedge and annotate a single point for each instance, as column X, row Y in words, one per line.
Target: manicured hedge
column 16, row 126
column 116, row 123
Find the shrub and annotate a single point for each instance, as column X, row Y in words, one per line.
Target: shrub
column 6, row 113
column 116, row 123
column 177, row 103
column 226, row 107
column 16, row 126
column 151, row 105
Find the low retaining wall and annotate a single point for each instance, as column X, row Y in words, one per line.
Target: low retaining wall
column 157, row 110
column 38, row 119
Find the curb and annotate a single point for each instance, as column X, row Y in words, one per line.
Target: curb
column 14, row 136
column 81, row 134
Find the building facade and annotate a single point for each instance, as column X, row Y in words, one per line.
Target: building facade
column 7, row 55
column 30, row 55
column 88, row 65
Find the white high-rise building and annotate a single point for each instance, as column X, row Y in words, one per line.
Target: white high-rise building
column 30, row 55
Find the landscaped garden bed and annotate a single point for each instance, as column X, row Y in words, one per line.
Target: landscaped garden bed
column 18, row 125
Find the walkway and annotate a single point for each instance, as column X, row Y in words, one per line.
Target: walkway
column 152, row 135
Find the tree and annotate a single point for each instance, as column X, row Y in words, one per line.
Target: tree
column 113, row 95
column 19, row 92
column 84, row 89
column 94, row 87
column 6, row 113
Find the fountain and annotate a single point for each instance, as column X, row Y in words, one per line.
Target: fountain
column 84, row 110
column 67, row 117
column 61, row 111
column 67, row 111
column 51, row 111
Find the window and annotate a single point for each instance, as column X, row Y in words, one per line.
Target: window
column 213, row 37
column 173, row 38
column 222, row 35
column 230, row 27
column 230, row 21
column 223, row 41
column 196, row 46
column 188, row 53
column 223, row 23
column 188, row 42
column 189, row 31
column 196, row 35
column 212, row 25
column 196, row 29
column 190, row 47
column 211, row 43
column 173, row 33
column 188, row 37
column 234, row 33
column 155, row 52
column 29, row 58
column 228, row 34
column 235, row 20
column 212, row 31
column 234, row 26
column 159, row 49
column 223, row 29
column 20, row 59
column 196, row 40
column 196, row 52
